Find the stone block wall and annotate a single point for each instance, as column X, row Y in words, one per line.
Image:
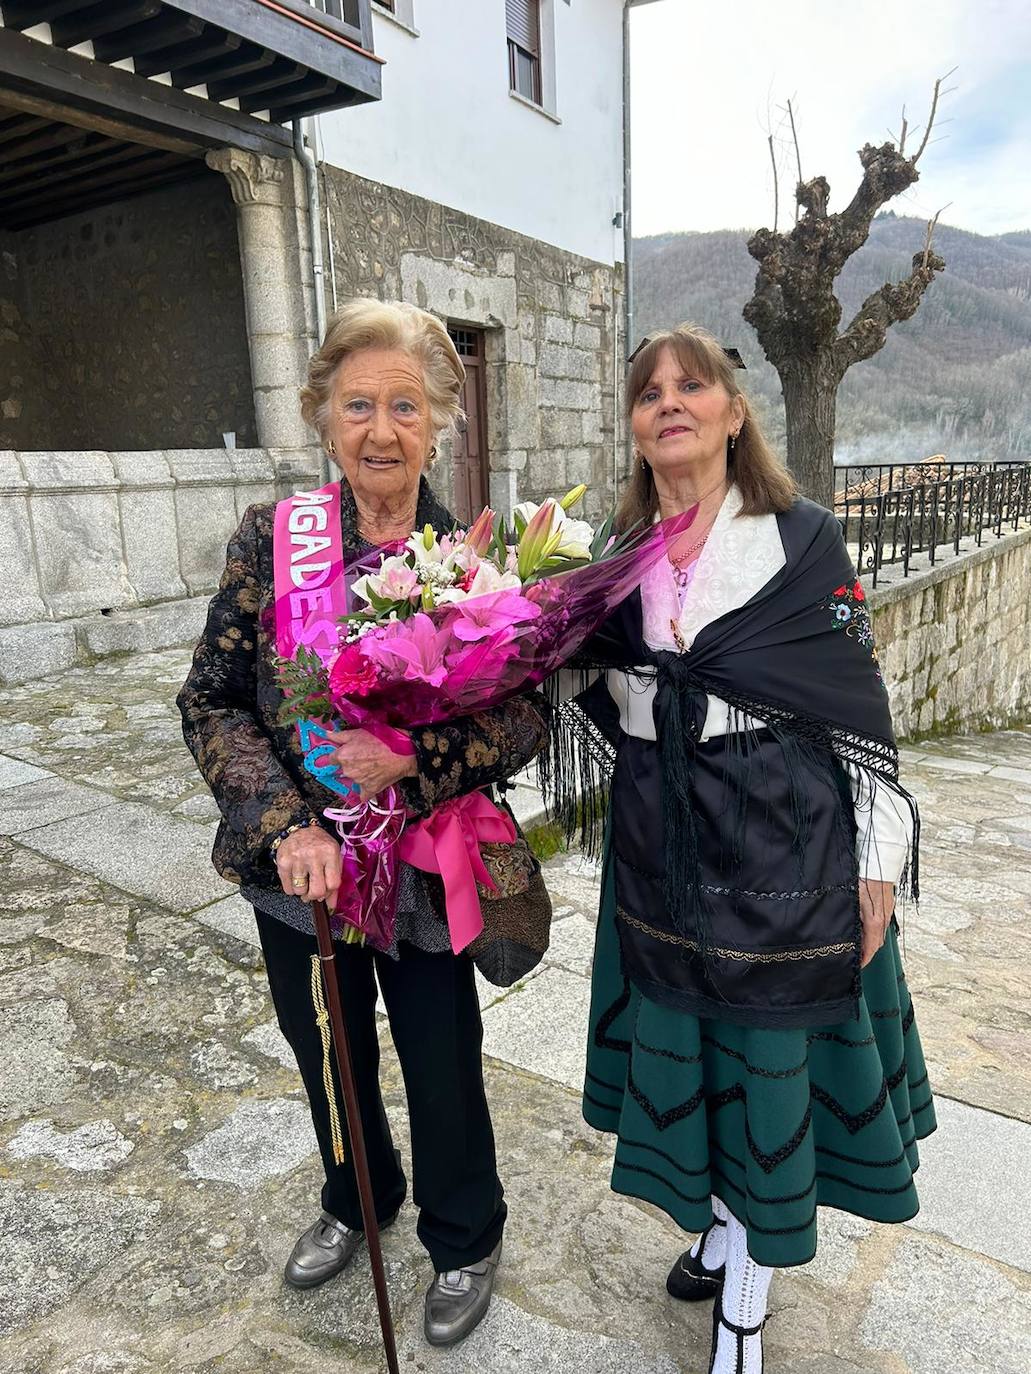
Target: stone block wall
column 553, row 324
column 123, row 327
column 110, row 552
column 955, row 641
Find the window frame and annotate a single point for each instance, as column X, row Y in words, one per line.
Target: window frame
column 544, row 64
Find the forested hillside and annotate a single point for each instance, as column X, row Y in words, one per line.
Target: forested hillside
column 955, row 379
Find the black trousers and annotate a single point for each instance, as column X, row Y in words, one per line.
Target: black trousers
column 435, row 1023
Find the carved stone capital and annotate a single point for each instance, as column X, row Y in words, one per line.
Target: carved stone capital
column 254, row 178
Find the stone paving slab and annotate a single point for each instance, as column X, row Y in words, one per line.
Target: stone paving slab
column 45, row 801
column 542, row 1027
column 141, row 851
column 975, row 1180
column 13, row 772
column 939, row 1309
column 231, row 916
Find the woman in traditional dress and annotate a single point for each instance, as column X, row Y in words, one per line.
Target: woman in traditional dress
column 752, row 1040
column 383, row 387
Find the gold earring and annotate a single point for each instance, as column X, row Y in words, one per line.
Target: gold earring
column 331, row 448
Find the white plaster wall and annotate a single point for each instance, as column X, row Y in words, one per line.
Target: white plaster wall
column 448, row 130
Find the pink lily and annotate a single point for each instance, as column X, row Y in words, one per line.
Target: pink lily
column 480, row 616
column 414, row 645
column 481, row 532
column 535, row 540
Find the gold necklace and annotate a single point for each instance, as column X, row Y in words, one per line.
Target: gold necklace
column 685, row 557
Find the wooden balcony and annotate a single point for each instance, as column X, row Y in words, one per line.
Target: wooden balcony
column 99, row 98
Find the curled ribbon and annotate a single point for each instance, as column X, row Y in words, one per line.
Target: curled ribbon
column 369, row 832
column 448, row 842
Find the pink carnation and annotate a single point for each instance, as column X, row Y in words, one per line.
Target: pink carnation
column 352, row 675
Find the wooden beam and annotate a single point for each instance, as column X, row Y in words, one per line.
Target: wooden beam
column 42, row 140
column 280, row 114
column 309, row 87
column 279, row 74
column 35, row 74
column 74, row 161
column 139, row 39
column 210, row 43
column 25, row 14
column 248, row 59
column 147, row 163
column 86, row 26
column 79, row 202
column 19, row 125
column 311, row 42
column 79, row 119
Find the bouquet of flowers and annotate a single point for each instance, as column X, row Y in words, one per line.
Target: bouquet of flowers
column 443, row 625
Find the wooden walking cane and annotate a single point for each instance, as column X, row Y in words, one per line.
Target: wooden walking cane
column 327, row 956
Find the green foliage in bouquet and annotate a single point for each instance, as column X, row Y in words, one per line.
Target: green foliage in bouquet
column 305, row 683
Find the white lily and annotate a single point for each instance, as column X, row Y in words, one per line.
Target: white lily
column 576, row 539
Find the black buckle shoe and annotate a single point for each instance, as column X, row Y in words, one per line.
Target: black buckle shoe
column 689, row 1280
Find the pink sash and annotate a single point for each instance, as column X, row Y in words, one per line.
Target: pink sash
column 311, row 597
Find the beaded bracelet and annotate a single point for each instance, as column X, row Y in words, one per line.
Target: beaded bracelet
column 301, row 825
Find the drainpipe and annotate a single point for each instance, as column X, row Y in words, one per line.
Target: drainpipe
column 628, row 279
column 311, row 179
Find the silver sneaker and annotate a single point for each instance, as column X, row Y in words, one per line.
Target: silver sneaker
column 322, row 1251
column 457, row 1301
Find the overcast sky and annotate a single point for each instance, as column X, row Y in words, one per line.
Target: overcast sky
column 710, row 81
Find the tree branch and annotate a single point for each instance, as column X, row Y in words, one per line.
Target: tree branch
column 894, row 301
column 794, row 135
column 930, row 119
column 798, row 157
column 932, row 225
column 776, row 196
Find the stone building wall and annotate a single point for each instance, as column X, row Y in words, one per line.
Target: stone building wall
column 955, row 641
column 551, row 320
column 123, row 327
column 106, row 552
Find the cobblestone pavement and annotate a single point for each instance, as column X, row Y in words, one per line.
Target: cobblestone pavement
column 156, row 1158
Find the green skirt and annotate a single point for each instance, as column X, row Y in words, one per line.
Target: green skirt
column 773, row 1122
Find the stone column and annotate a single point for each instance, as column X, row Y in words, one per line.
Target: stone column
column 275, row 257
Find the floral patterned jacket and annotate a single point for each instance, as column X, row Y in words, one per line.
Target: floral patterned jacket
column 253, row 764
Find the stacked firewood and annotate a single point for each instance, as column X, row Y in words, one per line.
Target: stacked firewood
column 927, row 470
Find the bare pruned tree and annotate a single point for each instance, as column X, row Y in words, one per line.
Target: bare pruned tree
column 796, row 314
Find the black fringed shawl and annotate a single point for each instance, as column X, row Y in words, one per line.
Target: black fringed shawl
column 706, row 923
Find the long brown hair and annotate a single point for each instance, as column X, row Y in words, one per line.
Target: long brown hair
column 765, row 484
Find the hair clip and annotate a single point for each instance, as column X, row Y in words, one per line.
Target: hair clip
column 733, row 356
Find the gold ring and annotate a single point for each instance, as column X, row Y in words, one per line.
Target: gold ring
column 300, row 880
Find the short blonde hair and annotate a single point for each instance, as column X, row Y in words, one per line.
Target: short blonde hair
column 765, row 484
column 367, row 323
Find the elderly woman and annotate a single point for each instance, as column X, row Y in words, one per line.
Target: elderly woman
column 381, row 390
column 752, row 1040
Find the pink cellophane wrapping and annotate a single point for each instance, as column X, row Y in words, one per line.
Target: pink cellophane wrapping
column 516, row 658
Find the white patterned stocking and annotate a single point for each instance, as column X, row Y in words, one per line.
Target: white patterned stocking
column 714, row 1240
column 745, row 1290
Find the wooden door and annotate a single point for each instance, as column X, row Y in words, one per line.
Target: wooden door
column 471, row 466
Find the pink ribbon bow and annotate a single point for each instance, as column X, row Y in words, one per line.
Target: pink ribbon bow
column 448, row 842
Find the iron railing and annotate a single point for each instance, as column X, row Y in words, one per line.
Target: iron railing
column 892, row 511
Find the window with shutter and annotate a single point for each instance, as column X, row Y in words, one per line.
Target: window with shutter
column 523, row 19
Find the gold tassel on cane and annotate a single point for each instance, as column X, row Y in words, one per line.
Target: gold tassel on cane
column 322, row 1021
